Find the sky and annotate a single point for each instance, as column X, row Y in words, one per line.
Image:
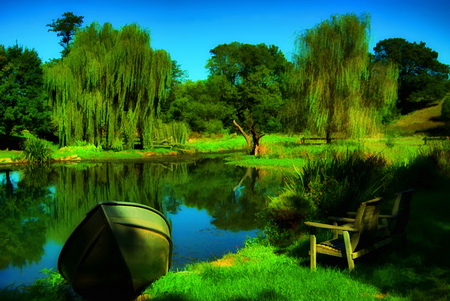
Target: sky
column 188, row 30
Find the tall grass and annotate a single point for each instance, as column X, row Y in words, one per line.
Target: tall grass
column 51, row 287
column 330, row 185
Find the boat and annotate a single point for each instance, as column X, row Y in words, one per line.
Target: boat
column 116, row 251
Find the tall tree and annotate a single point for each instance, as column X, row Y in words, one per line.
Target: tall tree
column 65, row 28
column 333, row 77
column 110, row 86
column 421, row 76
column 22, row 94
column 253, row 77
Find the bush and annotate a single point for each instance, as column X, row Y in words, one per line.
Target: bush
column 35, row 150
column 424, row 171
column 214, row 126
column 445, row 113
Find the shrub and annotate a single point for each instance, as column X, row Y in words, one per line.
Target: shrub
column 214, row 126
column 35, row 150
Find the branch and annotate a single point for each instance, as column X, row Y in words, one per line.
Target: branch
column 241, row 130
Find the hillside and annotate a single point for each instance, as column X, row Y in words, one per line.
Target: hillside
column 423, row 122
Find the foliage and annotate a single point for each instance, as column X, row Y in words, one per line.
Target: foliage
column 426, row 169
column 335, row 88
column 35, row 150
column 110, row 86
column 333, row 184
column 66, row 28
column 50, row 287
column 252, row 82
column 445, row 113
column 175, row 132
column 421, row 76
column 199, row 105
column 22, row 95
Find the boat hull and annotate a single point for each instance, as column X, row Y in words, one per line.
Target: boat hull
column 117, row 251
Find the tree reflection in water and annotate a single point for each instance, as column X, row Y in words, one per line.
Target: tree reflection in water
column 47, row 203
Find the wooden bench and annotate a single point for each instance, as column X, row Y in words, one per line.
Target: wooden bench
column 359, row 235
column 394, row 224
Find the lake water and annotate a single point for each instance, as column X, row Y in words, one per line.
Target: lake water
column 212, row 207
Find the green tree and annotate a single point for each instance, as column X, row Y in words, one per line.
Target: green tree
column 66, row 28
column 178, row 76
column 253, row 84
column 22, row 94
column 199, row 105
column 110, row 87
column 421, row 76
column 335, row 88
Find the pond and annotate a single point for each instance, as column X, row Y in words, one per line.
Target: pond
column 212, row 207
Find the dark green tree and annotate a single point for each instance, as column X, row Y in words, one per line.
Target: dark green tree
column 65, row 28
column 22, row 94
column 199, row 105
column 421, row 76
column 178, row 76
column 253, row 78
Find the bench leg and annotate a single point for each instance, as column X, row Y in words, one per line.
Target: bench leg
column 348, row 251
column 312, row 251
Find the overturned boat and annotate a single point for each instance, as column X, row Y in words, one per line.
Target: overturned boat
column 117, row 251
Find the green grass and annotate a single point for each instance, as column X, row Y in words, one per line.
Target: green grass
column 419, row 271
column 259, row 273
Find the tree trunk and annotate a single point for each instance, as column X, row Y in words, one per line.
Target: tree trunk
column 252, row 138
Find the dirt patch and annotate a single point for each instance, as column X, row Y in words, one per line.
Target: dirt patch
column 70, row 158
column 227, row 261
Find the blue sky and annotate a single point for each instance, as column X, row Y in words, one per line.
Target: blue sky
column 188, row 30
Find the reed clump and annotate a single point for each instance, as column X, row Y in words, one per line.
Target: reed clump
column 331, row 184
column 35, row 150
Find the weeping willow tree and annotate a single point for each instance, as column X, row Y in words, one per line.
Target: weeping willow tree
column 110, row 87
column 336, row 87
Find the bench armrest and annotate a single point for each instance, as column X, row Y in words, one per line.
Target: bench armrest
column 330, row 227
column 341, row 219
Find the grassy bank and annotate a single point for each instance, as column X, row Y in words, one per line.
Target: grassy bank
column 261, row 271
column 275, row 266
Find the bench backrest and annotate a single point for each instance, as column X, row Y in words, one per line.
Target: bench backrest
column 366, row 221
column 400, row 211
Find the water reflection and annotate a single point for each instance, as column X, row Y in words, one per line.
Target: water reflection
column 212, row 205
